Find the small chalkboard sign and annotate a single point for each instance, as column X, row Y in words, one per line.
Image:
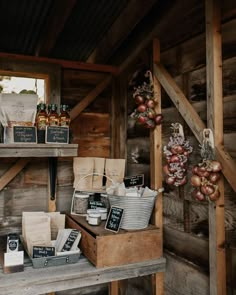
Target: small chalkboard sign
column 96, row 204
column 114, row 219
column 40, row 251
column 24, row 134
column 135, row 180
column 70, row 240
column 57, row 134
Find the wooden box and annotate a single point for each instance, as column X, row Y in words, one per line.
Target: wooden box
column 105, row 248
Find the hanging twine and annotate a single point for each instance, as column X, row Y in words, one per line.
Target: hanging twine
column 207, row 147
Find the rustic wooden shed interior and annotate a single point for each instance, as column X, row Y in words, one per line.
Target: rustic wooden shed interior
column 91, row 54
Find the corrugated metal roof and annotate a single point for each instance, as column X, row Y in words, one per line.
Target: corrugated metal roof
column 23, row 21
column 74, row 29
column 87, row 24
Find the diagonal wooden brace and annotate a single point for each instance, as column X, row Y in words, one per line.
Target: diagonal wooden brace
column 90, row 97
column 13, row 171
column 193, row 120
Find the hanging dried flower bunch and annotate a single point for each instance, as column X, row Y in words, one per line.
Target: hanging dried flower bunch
column 206, row 174
column 176, row 154
column 144, row 97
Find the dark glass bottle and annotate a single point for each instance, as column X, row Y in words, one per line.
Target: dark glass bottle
column 41, row 117
column 64, row 118
column 53, row 117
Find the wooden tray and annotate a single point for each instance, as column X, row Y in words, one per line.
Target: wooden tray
column 105, row 248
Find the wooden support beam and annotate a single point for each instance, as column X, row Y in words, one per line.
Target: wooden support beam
column 128, row 19
column 228, row 164
column 114, row 288
column 217, row 258
column 118, row 117
column 156, row 168
column 89, row 97
column 54, row 25
column 68, row 64
column 179, row 99
column 13, row 171
column 146, row 35
column 193, row 120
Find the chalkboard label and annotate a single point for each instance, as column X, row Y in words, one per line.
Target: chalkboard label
column 135, row 180
column 39, row 251
column 96, row 204
column 70, row 240
column 24, row 134
column 57, row 134
column 114, row 219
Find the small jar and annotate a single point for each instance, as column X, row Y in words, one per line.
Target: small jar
column 103, row 212
column 90, row 211
column 81, row 203
column 94, row 219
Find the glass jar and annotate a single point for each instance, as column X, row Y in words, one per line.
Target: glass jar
column 64, row 118
column 81, row 203
column 53, row 117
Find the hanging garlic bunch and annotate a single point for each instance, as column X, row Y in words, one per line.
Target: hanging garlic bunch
column 206, row 174
column 144, row 97
column 176, row 153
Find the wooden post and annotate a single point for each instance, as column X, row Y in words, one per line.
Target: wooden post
column 118, row 145
column 215, row 123
column 156, row 167
column 119, row 117
column 186, row 203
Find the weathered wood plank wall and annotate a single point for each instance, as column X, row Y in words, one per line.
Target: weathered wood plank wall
column 91, row 130
column 186, row 63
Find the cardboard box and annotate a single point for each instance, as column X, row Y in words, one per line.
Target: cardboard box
column 105, row 248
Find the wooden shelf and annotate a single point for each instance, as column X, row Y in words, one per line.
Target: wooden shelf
column 38, row 150
column 82, row 274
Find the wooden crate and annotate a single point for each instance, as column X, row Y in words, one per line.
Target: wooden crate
column 105, row 248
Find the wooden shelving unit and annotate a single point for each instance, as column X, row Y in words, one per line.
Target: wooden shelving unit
column 27, row 151
column 38, row 150
column 82, row 274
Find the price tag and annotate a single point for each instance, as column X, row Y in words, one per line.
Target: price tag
column 23, row 134
column 40, row 251
column 96, row 204
column 135, row 180
column 70, row 240
column 114, row 219
column 57, row 134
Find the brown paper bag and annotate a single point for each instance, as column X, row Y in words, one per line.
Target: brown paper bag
column 115, row 171
column 37, row 231
column 98, row 170
column 83, row 173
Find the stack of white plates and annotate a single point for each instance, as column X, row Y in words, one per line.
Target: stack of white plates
column 137, row 210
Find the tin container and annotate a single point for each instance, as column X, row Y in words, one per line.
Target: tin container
column 94, row 219
column 103, row 212
column 12, row 242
